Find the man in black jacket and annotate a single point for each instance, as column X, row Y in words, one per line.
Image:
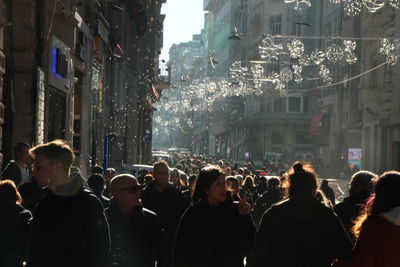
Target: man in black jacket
column 359, row 192
column 137, row 237
column 165, row 200
column 16, row 170
column 69, row 226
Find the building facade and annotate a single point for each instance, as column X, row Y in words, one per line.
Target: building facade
column 74, row 68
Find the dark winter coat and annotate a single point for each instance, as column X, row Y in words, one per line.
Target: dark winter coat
column 168, row 205
column 31, row 194
column 266, row 200
column 69, row 230
column 213, row 237
column 300, row 232
column 14, row 233
column 137, row 239
column 12, row 172
column 350, row 209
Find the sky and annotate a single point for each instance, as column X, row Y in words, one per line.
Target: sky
column 183, row 19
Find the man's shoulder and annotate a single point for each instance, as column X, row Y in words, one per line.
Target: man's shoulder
column 10, row 167
column 87, row 196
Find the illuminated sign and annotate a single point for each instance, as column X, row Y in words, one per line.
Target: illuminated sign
column 59, row 65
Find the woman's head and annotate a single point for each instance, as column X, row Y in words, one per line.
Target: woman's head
column 232, row 184
column 210, row 186
column 248, row 182
column 9, row 192
column 387, row 193
column 302, row 180
column 387, row 197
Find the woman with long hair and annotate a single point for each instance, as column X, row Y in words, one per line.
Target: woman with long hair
column 378, row 229
column 14, row 225
column 213, row 232
column 300, row 231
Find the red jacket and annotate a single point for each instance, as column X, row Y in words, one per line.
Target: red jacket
column 378, row 244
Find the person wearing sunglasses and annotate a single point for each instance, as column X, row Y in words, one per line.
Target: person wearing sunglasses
column 137, row 238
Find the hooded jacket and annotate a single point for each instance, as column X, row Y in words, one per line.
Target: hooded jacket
column 14, row 234
column 69, row 229
column 378, row 244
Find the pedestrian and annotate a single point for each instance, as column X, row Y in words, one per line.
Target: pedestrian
column 233, row 187
column 174, row 178
column 69, row 226
column 328, row 191
column 261, row 187
column 163, row 198
column 188, row 193
column 137, row 237
column 213, row 232
column 96, row 183
column 248, row 188
column 272, row 196
column 300, row 231
column 16, row 170
column 378, row 228
column 359, row 192
column 14, row 226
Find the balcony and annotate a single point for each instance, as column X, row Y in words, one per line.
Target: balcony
column 278, row 118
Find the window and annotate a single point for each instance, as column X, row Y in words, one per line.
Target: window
column 276, row 138
column 275, row 24
column 294, row 104
column 280, row 104
column 302, row 137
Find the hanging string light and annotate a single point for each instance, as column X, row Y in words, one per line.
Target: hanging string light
column 350, row 7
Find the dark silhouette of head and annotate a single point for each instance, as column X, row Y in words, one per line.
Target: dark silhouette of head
column 361, row 182
column 302, row 180
column 96, row 183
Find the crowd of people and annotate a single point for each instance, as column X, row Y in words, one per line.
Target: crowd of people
column 201, row 214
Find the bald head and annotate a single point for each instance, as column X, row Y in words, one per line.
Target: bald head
column 126, row 191
column 123, row 181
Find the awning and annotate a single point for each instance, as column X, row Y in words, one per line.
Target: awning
column 315, row 123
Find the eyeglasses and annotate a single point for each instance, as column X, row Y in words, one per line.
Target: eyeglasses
column 132, row 189
column 38, row 166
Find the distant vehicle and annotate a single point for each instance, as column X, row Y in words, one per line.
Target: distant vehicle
column 136, row 169
column 273, row 157
column 165, row 157
column 304, row 157
column 155, row 151
column 180, row 150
